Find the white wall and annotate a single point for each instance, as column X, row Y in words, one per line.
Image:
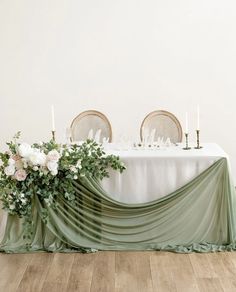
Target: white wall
column 124, row 58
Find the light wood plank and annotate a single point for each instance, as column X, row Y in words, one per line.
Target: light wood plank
column 133, row 272
column 103, row 279
column 162, row 274
column 81, row 272
column 183, row 273
column 36, row 272
column 202, row 266
column 12, row 268
column 58, row 273
column 209, row 285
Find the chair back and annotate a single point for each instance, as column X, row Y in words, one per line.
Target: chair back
column 90, row 123
column 166, row 125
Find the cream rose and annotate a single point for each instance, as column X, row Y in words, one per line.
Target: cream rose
column 20, row 175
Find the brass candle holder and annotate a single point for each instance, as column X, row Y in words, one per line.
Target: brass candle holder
column 186, row 142
column 198, row 140
column 54, row 135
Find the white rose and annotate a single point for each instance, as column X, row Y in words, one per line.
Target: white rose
column 9, row 170
column 11, row 161
column 37, row 158
column 52, row 166
column 53, row 155
column 25, row 150
column 20, row 175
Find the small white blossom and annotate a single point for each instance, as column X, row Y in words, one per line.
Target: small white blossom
column 12, row 207
column 23, row 201
column 75, row 176
column 54, row 172
column 35, row 168
column 78, row 164
column 73, row 169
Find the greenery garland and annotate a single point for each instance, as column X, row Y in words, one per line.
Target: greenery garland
column 48, row 170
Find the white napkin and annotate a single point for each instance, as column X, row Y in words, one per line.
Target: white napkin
column 90, row 134
column 97, row 136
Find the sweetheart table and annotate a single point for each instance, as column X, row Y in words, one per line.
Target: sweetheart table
column 152, row 174
column 167, row 199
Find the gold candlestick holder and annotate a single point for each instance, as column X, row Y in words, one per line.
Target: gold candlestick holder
column 186, row 142
column 54, row 136
column 198, row 140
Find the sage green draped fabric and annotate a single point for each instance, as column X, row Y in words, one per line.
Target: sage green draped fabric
column 200, row 216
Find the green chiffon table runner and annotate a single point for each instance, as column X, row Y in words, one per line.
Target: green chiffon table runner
column 200, row 216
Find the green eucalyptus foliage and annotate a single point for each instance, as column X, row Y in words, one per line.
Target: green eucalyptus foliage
column 74, row 162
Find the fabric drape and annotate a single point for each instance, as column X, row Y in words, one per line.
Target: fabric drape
column 200, row 216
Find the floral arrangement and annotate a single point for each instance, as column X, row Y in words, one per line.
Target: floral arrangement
column 48, row 170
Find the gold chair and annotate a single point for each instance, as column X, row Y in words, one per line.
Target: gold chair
column 165, row 124
column 90, row 120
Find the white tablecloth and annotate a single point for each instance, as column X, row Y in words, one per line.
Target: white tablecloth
column 152, row 174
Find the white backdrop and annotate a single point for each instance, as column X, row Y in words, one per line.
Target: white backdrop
column 124, row 58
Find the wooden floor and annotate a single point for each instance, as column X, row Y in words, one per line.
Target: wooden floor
column 118, row 271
